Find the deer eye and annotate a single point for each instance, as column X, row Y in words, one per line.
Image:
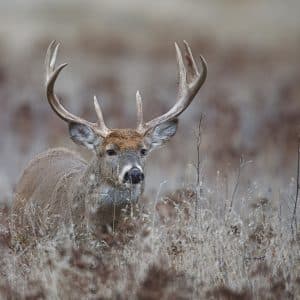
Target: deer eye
column 111, row 152
column 143, row 152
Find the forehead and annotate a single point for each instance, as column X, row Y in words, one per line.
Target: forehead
column 125, row 139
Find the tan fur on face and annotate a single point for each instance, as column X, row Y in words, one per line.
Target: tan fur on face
column 124, row 139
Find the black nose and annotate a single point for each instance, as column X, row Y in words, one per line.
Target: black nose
column 134, row 176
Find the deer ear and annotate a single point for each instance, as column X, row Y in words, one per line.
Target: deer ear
column 162, row 133
column 83, row 135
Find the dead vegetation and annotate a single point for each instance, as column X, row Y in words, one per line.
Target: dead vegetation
column 166, row 253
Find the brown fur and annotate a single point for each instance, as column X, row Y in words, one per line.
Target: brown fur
column 41, row 201
column 124, row 139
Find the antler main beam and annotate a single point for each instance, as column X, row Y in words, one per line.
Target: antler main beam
column 190, row 82
column 51, row 76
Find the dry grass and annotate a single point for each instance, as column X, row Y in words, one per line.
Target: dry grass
column 169, row 252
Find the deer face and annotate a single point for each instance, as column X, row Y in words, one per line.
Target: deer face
column 123, row 153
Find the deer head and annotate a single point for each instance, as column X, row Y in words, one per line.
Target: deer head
column 121, row 153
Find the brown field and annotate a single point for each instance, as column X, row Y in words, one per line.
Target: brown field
column 221, row 227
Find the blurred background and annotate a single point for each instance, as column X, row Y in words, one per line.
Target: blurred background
column 250, row 101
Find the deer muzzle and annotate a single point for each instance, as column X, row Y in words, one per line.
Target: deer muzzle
column 133, row 176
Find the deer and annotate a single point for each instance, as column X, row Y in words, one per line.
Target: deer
column 59, row 188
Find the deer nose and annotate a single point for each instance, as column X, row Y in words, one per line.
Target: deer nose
column 134, row 176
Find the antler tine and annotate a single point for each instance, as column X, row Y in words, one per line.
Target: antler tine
column 192, row 66
column 101, row 124
column 187, row 88
column 139, row 109
column 51, row 76
column 181, row 70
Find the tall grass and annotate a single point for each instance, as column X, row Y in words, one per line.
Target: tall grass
column 246, row 251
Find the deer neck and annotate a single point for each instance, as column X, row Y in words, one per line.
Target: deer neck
column 98, row 201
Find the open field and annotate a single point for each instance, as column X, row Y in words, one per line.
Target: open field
column 210, row 225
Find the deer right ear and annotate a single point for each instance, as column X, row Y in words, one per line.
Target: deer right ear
column 83, row 135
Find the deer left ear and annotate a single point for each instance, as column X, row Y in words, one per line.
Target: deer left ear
column 162, row 133
column 83, row 135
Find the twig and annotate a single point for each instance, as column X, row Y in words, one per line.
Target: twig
column 198, row 163
column 199, row 139
column 237, row 182
column 294, row 218
column 156, row 201
column 255, row 258
column 242, row 164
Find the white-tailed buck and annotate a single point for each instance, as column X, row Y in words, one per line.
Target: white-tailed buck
column 59, row 188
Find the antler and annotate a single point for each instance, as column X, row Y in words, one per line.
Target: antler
column 51, row 76
column 190, row 82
